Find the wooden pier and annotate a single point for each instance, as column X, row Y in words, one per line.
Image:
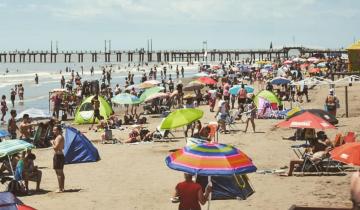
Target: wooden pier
column 142, row 56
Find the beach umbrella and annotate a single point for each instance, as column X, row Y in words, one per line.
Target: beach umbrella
column 236, row 88
column 216, row 67
column 207, row 80
column 306, row 120
column 125, row 98
column 264, row 71
column 180, row 118
column 297, row 59
column 130, row 87
column 318, row 112
column 210, row 159
column 280, row 81
column 35, row 114
column 189, row 96
column 4, row 133
column 149, row 92
column 145, row 85
column 321, row 65
column 11, row 147
column 313, row 60
column 194, row 85
column 348, row 153
column 153, row 82
column 157, row 96
column 201, row 74
column 288, row 62
column 314, row 70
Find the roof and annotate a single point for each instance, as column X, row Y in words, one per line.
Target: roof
column 355, row 46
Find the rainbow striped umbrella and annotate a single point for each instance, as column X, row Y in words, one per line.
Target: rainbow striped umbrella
column 210, row 160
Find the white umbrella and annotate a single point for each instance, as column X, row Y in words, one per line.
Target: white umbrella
column 36, row 114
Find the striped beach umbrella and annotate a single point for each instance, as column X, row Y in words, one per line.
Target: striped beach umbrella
column 210, row 160
column 11, row 147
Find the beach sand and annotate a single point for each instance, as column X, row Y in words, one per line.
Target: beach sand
column 136, row 177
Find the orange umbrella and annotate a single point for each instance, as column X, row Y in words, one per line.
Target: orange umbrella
column 207, row 80
column 348, row 153
column 314, row 70
column 306, row 120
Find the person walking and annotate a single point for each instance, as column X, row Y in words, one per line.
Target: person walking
column 36, row 79
column 250, row 112
column 12, row 97
column 59, row 158
column 331, row 102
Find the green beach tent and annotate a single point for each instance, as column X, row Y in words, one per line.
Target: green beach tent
column 85, row 112
column 268, row 96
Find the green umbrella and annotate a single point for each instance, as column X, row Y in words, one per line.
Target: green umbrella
column 149, row 92
column 180, row 118
column 125, row 98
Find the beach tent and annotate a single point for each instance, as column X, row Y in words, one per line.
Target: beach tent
column 9, row 201
column 85, row 112
column 78, row 148
column 228, row 187
column 266, row 96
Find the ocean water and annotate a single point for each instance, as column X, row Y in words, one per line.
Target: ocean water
column 37, row 95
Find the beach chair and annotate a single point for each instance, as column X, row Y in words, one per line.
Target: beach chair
column 230, row 121
column 350, row 137
column 37, row 135
column 162, row 135
column 338, row 140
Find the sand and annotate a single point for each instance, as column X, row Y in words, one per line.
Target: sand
column 136, row 177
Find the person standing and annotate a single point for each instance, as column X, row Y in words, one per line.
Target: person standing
column 331, row 102
column 190, row 194
column 21, row 92
column 12, row 127
column 96, row 105
column 12, row 97
column 182, row 71
column 59, row 158
column 36, row 79
column 62, row 82
column 3, row 108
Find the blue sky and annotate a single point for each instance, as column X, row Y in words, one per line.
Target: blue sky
column 177, row 24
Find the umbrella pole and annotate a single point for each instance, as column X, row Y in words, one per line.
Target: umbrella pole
column 12, row 170
column 210, row 185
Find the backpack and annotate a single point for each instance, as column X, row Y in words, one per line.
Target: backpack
column 16, row 188
column 242, row 93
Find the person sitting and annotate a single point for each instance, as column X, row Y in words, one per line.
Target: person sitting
column 128, row 119
column 114, row 122
column 190, row 194
column 134, row 135
column 6, row 164
column 31, row 172
column 316, row 153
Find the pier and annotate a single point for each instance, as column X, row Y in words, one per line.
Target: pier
column 142, row 56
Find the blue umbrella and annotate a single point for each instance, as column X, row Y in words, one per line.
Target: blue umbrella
column 280, row 81
column 236, row 88
column 4, row 133
column 125, row 98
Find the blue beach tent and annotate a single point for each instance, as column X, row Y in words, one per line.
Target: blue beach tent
column 78, row 148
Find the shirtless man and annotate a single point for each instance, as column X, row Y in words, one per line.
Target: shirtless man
column 25, row 128
column 96, row 105
column 12, row 127
column 59, row 159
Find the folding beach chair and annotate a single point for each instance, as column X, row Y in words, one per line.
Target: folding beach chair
column 37, row 135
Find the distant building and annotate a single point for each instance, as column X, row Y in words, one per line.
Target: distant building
column 354, row 57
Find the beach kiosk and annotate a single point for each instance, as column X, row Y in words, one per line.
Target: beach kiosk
column 354, row 57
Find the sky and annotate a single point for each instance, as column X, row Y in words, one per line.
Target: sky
column 177, row 24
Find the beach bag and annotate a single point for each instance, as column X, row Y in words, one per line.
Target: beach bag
column 16, row 188
column 108, row 134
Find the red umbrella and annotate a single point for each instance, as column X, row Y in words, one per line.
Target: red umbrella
column 314, row 70
column 347, row 153
column 306, row 120
column 288, row 62
column 207, row 80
